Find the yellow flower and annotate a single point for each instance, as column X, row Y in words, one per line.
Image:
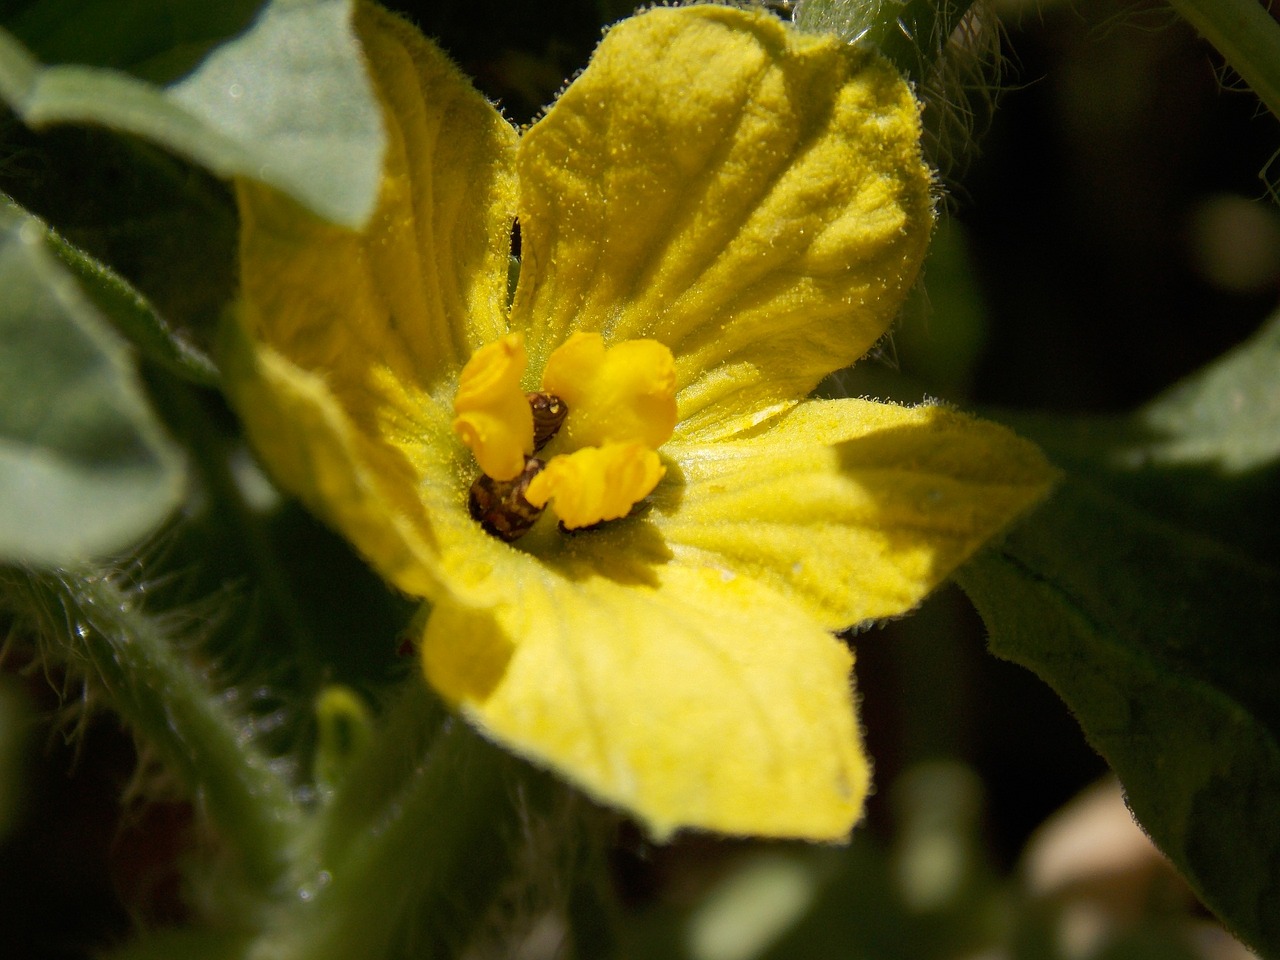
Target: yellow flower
column 713, row 216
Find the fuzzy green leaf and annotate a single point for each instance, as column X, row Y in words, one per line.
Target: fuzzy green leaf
column 1150, row 602
column 155, row 40
column 1228, row 415
column 1205, row 455
column 84, row 468
column 286, row 102
column 134, row 317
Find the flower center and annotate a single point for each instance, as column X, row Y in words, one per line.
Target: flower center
column 609, row 409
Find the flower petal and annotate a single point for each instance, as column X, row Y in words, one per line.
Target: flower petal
column 346, row 350
column 696, row 701
column 425, row 283
column 853, row 508
column 751, row 196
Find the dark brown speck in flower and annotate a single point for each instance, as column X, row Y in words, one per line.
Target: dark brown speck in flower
column 499, row 505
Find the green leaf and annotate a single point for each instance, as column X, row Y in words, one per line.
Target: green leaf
column 156, row 40
column 84, row 468
column 165, row 226
column 1205, row 455
column 287, row 102
column 134, row 317
column 1139, row 592
column 1227, row 415
column 1247, row 37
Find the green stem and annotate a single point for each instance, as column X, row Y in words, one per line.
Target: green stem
column 1246, row 36
column 131, row 656
column 421, row 875
column 375, row 779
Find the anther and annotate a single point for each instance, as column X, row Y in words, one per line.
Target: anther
column 549, row 412
column 499, row 506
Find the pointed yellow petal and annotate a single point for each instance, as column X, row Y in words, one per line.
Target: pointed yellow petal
column 596, row 483
column 697, row 701
column 750, row 196
column 854, row 509
column 425, row 283
column 615, row 394
column 494, row 418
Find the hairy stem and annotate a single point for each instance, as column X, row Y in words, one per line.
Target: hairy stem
column 97, row 626
column 420, row 875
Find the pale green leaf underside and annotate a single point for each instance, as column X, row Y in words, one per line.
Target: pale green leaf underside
column 84, row 468
column 1228, row 414
column 287, row 103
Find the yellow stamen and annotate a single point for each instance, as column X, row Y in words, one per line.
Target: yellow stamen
column 616, row 395
column 621, row 407
column 596, row 483
column 493, row 415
